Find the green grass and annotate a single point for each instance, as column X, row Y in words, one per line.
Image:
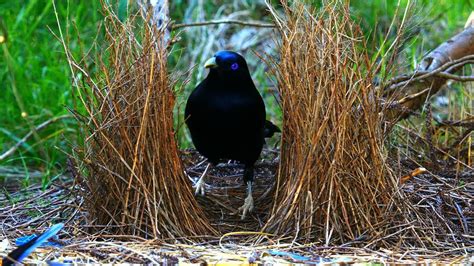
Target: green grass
column 35, row 78
column 434, row 21
column 32, row 64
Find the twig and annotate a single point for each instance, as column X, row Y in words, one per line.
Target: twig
column 439, row 72
column 427, row 74
column 467, row 123
column 27, row 136
column 230, row 21
column 417, row 136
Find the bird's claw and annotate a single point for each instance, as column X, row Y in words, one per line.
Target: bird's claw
column 247, row 207
column 200, row 186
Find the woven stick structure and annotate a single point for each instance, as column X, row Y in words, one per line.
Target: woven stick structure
column 136, row 183
column 333, row 183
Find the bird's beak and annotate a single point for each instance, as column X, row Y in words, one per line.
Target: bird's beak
column 211, row 63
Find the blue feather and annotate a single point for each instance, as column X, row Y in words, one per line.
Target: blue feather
column 53, row 230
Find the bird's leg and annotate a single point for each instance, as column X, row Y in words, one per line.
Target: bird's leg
column 248, row 203
column 201, row 183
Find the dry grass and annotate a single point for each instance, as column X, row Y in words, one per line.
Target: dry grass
column 20, row 215
column 135, row 180
column 333, row 181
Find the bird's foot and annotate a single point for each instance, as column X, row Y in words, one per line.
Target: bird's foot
column 200, row 186
column 247, row 207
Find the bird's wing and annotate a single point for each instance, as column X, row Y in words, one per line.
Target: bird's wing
column 194, row 101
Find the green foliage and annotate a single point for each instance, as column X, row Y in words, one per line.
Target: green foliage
column 33, row 66
column 437, row 20
column 35, row 77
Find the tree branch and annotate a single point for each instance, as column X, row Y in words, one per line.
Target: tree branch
column 217, row 22
column 412, row 91
column 442, row 71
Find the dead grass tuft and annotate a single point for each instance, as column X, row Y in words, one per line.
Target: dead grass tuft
column 135, row 181
column 333, row 182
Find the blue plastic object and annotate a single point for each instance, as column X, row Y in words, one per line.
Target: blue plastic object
column 288, row 254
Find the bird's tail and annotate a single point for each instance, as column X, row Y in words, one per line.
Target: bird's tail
column 24, row 250
column 270, row 129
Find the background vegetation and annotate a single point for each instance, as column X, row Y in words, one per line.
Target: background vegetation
column 35, row 81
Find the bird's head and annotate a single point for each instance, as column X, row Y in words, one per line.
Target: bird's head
column 228, row 64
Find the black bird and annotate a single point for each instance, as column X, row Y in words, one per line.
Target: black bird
column 225, row 115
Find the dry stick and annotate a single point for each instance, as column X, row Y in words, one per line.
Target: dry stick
column 405, row 80
column 229, row 21
column 438, row 149
column 27, row 136
column 103, row 243
column 140, row 134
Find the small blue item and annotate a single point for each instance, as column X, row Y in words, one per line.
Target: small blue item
column 42, row 239
column 288, row 254
column 308, row 260
column 64, row 263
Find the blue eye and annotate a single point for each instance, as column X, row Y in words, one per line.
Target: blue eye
column 234, row 66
